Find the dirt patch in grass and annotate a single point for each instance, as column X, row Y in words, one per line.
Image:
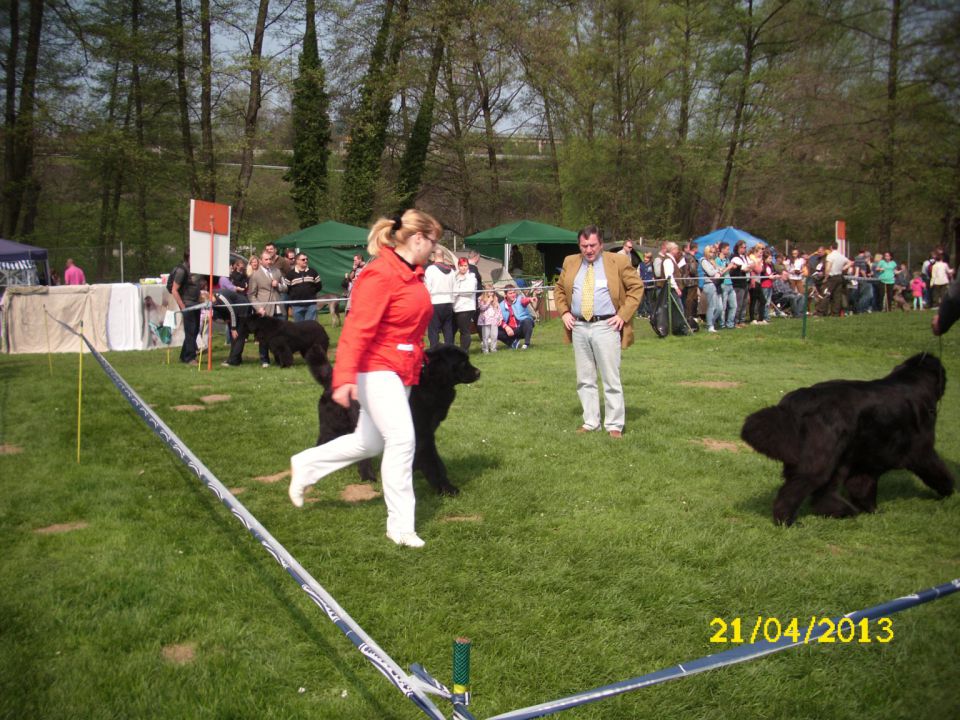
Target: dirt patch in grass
column 719, row 445
column 462, row 518
column 237, row 491
column 189, row 408
column 270, row 479
column 716, row 384
column 179, row 654
column 61, row 528
column 358, row 492
column 10, row 449
column 210, row 399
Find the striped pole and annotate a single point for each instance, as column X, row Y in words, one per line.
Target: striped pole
column 461, row 671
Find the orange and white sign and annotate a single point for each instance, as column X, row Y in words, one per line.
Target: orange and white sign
column 209, row 223
column 840, row 233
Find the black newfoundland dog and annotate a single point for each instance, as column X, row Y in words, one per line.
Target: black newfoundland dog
column 847, row 433
column 446, row 367
column 286, row 338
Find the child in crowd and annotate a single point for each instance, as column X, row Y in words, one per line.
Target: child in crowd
column 488, row 320
column 917, row 289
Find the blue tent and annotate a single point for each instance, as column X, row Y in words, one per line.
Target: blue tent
column 731, row 235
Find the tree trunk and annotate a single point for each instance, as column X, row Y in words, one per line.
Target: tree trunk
column 11, row 209
column 415, row 156
column 250, row 119
column 182, row 101
column 888, row 210
column 483, row 91
column 720, row 214
column 142, row 153
column 21, row 183
column 466, row 196
column 208, row 184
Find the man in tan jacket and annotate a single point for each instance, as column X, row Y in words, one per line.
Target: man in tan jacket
column 598, row 294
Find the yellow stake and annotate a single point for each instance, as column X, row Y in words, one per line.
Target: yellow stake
column 46, row 331
column 80, row 393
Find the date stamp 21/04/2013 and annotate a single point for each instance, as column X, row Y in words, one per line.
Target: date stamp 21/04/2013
column 812, row 629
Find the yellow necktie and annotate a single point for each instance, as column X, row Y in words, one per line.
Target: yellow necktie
column 586, row 303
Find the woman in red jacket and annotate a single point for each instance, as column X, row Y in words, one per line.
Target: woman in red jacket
column 378, row 358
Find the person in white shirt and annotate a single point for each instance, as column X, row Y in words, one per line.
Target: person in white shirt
column 939, row 279
column 439, row 278
column 464, row 301
column 835, row 265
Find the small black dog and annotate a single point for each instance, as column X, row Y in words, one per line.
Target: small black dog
column 286, row 338
column 847, row 433
column 446, row 367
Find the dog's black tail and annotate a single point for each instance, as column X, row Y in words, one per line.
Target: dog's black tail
column 773, row 432
column 319, row 365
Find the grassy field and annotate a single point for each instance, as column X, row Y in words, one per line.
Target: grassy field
column 128, row 591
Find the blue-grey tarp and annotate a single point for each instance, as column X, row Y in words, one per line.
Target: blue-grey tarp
column 731, row 235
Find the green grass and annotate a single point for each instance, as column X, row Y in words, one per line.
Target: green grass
column 570, row 561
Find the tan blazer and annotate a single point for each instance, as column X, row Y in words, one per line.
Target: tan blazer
column 623, row 282
column 260, row 291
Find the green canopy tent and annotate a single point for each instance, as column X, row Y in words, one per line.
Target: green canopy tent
column 552, row 242
column 330, row 247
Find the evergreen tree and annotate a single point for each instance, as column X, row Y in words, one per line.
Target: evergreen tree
column 311, row 131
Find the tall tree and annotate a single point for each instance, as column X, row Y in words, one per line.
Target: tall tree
column 21, row 187
column 251, row 116
column 368, row 126
column 311, row 131
column 183, row 93
column 888, row 210
column 415, row 156
column 207, row 155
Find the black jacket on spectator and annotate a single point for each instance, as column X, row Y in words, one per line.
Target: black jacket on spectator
column 303, row 285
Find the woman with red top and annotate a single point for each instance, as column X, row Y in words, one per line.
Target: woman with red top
column 378, row 358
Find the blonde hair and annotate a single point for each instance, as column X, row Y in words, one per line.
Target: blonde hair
column 391, row 232
column 250, row 264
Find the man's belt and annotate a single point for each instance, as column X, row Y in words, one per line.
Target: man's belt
column 595, row 318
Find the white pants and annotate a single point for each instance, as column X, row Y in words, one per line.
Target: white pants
column 385, row 425
column 596, row 348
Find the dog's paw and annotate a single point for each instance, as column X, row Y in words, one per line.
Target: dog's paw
column 448, row 490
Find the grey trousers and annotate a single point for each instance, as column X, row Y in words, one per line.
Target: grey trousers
column 596, row 349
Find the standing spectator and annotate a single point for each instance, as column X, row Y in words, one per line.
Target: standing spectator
column 439, row 281
column 886, row 270
column 711, row 288
column 739, row 272
column 863, row 274
column 918, row 290
column 925, row 274
column 237, row 280
column 794, row 268
column 488, row 320
column 263, row 290
column 690, row 284
column 645, row 269
column 516, row 320
column 728, row 298
column 835, row 265
column 185, row 289
column 350, row 278
column 465, row 301
column 755, row 268
column 73, row 274
column 940, row 274
column 378, row 359
column 303, row 283
column 766, row 282
column 597, row 295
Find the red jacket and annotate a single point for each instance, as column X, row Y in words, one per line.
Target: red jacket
column 390, row 309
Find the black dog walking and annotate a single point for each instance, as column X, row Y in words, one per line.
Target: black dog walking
column 847, row 433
